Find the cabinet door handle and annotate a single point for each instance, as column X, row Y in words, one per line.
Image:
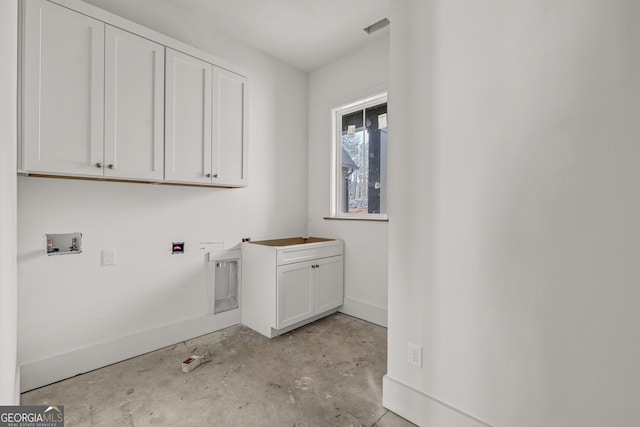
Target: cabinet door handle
column 215, row 175
column 98, row 165
column 208, row 175
column 111, row 166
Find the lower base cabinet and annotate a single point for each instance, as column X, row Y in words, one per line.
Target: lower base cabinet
column 285, row 287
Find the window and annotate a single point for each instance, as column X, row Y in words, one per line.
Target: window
column 359, row 187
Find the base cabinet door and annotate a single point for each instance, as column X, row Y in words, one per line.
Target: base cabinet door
column 329, row 286
column 63, row 91
column 295, row 293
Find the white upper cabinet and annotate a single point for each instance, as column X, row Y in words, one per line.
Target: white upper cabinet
column 63, row 91
column 206, row 126
column 230, row 129
column 102, row 97
column 187, row 119
column 134, row 106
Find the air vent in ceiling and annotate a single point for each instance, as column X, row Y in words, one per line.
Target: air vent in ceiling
column 377, row 26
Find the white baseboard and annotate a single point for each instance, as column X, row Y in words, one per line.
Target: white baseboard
column 422, row 409
column 56, row 368
column 277, row 332
column 16, row 395
column 365, row 311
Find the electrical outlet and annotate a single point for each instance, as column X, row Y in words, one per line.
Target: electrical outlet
column 414, row 355
column 108, row 257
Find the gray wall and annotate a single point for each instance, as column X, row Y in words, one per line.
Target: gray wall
column 94, row 310
column 362, row 73
column 514, row 238
column 8, row 138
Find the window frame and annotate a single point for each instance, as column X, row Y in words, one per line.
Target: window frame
column 337, row 189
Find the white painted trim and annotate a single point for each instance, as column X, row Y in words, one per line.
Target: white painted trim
column 422, row 409
column 16, row 399
column 42, row 372
column 365, row 310
column 278, row 332
column 8, row 199
column 337, row 112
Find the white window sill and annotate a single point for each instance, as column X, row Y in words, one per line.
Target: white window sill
column 356, row 217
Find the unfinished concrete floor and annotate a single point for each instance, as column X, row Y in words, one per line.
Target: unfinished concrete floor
column 328, row 373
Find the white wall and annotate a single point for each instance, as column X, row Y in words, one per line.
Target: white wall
column 362, row 73
column 514, row 247
column 8, row 138
column 73, row 311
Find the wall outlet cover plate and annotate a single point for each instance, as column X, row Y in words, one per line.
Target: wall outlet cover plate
column 108, row 257
column 414, row 355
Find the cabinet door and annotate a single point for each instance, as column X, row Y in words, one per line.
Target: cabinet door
column 329, row 283
column 187, row 118
column 63, row 91
column 295, row 293
column 134, row 106
column 230, row 157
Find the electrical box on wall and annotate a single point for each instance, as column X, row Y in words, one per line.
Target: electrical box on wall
column 177, row 248
column 62, row 244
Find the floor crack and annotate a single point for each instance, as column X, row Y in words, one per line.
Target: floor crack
column 381, row 417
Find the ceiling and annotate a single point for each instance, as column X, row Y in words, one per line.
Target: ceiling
column 306, row 34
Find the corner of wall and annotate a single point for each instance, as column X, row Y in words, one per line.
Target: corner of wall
column 421, row 409
column 8, row 199
column 16, row 393
column 365, row 310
